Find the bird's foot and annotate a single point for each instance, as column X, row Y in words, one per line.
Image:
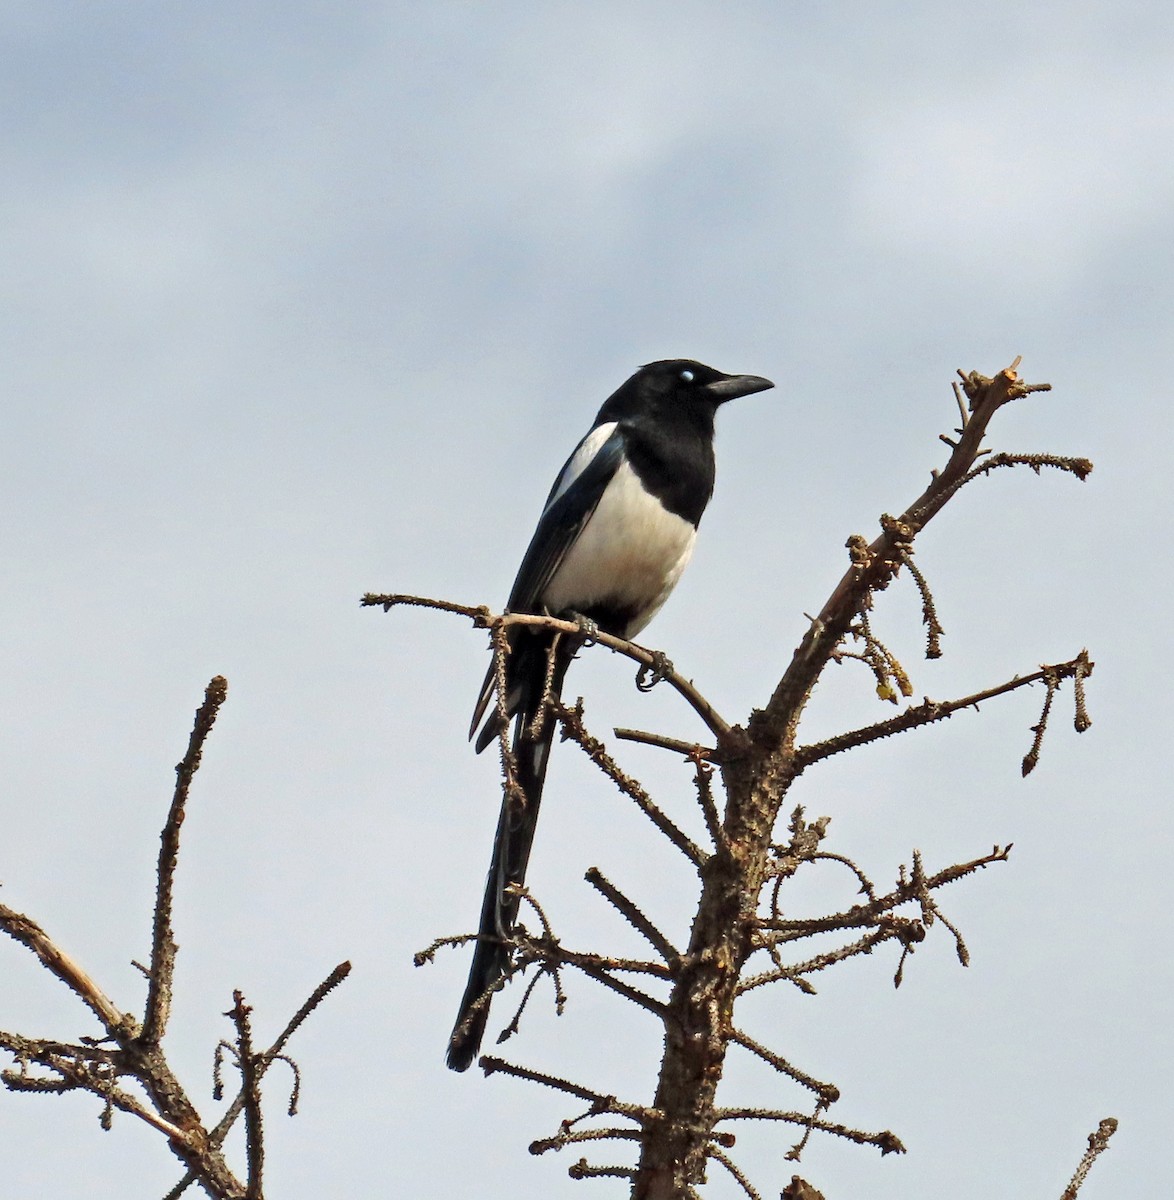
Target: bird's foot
column 650, row 674
column 588, row 629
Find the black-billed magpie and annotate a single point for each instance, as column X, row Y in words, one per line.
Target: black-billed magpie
column 615, row 535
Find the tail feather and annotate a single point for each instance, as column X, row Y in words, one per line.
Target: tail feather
column 511, row 854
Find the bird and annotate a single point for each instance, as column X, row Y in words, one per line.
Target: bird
column 615, row 534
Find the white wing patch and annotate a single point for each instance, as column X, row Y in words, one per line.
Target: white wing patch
column 585, row 451
column 630, row 553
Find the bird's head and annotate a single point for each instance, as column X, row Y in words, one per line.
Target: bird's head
column 677, row 388
column 693, row 380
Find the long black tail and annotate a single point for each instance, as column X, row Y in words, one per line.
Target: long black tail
column 511, row 853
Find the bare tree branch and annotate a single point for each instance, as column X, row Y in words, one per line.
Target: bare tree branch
column 26, row 931
column 929, row 711
column 773, row 729
column 649, row 659
column 571, row 720
column 163, row 947
column 600, row 1103
column 1098, row 1143
column 250, row 1087
column 677, row 745
column 130, row 1051
column 628, row 910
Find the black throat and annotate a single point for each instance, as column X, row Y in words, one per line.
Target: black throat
column 674, row 459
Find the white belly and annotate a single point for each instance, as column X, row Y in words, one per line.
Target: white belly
column 630, row 553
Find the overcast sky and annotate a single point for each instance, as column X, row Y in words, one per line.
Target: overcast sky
column 302, row 301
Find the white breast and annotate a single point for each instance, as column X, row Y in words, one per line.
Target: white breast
column 630, row 553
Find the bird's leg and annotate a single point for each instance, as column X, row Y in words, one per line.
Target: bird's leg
column 652, row 673
column 588, row 628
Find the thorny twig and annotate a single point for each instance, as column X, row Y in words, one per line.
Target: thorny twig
column 163, row 947
column 885, row 1141
column 574, row 730
column 600, row 1102
column 566, row 1137
column 892, row 680
column 729, row 1164
column 929, row 612
column 1079, row 669
column 652, row 660
column 703, row 779
column 1098, row 1143
column 930, row 711
column 250, row 1086
column 134, row 1051
column 827, row 1093
column 632, row 914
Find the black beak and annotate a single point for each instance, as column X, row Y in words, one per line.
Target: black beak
column 730, row 387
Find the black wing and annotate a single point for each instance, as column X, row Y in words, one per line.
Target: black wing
column 560, row 524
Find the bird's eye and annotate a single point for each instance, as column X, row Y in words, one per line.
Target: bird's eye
column 687, row 376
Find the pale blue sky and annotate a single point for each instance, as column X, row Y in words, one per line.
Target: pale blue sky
column 301, row 303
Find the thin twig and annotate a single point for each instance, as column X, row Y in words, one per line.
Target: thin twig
column 631, row 913
column 828, row 1093
column 929, row 612
column 1098, row 1143
column 1031, row 758
column 661, row 741
column 599, row 967
column 600, row 1102
column 885, row 1141
column 516, row 1021
column 744, row 1183
column 1081, row 721
column 703, row 780
column 315, row 998
column 820, row 962
column 574, row 729
column 1080, row 467
column 567, row 1136
column 26, row 931
column 484, row 619
column 163, row 945
column 251, row 1089
column 867, row 914
column 583, row 1170
column 929, row 711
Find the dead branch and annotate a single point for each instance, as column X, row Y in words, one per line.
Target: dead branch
column 758, row 772
column 571, row 720
column 827, row 1093
column 729, row 1164
column 677, row 745
column 631, row 913
column 773, row 728
column 134, row 1051
column 26, row 931
column 885, row 1141
column 163, row 947
column 600, row 1103
column 250, row 1087
column 566, row 1137
column 649, row 660
column 1098, row 1143
column 930, row 711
